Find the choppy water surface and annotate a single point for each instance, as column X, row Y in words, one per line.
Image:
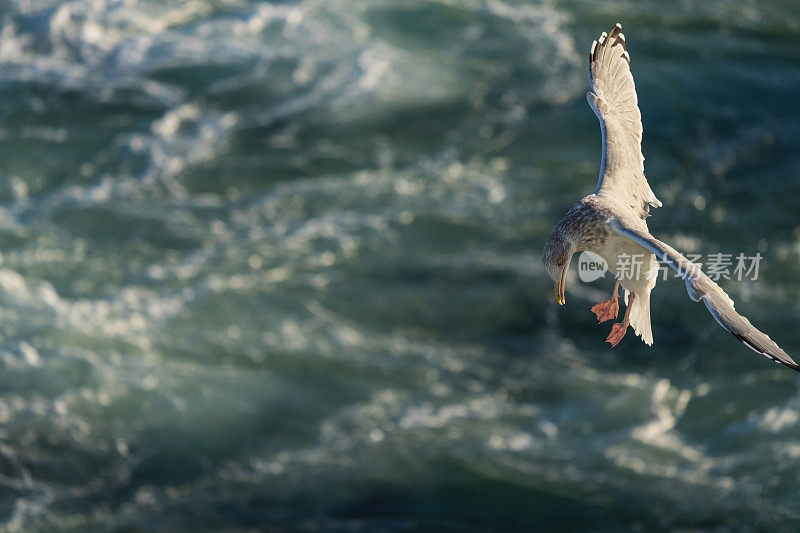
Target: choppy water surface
column 278, row 265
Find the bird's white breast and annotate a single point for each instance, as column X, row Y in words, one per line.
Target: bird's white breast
column 630, row 262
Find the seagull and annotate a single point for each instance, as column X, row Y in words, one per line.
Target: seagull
column 612, row 221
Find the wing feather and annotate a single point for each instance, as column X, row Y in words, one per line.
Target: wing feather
column 701, row 287
column 614, row 101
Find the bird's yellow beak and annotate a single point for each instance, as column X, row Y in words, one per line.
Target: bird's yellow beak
column 559, row 299
column 559, row 289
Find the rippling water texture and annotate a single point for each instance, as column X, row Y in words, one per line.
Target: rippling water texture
column 278, row 265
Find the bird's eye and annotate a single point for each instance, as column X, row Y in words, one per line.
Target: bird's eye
column 560, row 262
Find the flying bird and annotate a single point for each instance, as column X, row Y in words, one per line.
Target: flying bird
column 612, row 221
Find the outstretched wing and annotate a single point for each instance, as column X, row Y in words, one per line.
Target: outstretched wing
column 613, row 99
column 701, row 287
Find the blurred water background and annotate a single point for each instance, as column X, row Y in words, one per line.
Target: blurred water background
column 277, row 265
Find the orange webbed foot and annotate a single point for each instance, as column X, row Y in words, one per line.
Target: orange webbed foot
column 618, row 331
column 606, row 310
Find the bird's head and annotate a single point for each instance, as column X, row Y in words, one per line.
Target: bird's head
column 557, row 255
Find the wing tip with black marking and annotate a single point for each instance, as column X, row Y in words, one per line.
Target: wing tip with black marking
column 782, row 357
column 612, row 38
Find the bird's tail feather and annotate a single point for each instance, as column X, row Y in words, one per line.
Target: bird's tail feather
column 640, row 317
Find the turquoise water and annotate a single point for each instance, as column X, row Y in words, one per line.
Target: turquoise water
column 277, row 265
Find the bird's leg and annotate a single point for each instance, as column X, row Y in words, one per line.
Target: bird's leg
column 608, row 309
column 619, row 329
